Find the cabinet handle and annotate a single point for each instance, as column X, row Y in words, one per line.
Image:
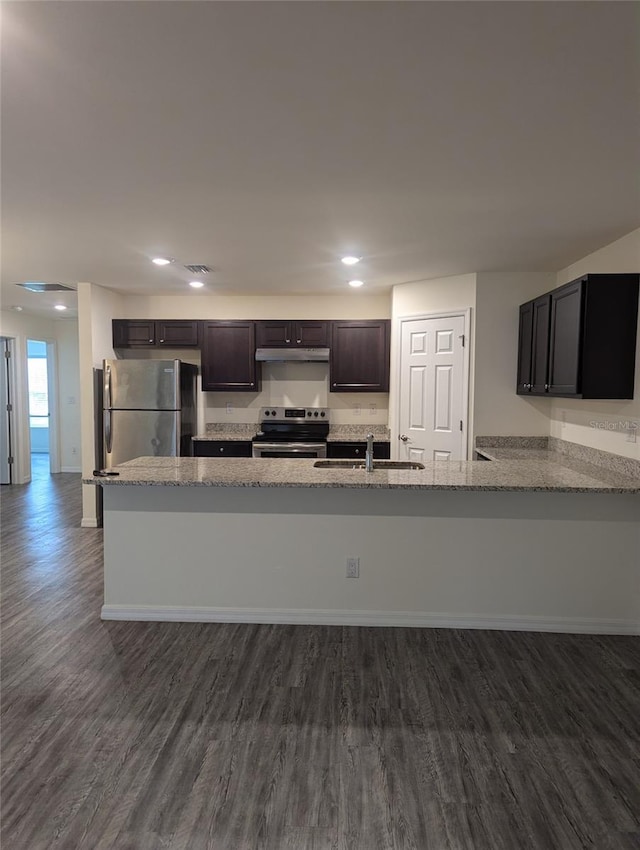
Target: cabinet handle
column 334, row 384
column 161, row 340
column 357, row 451
column 287, row 341
column 221, row 448
column 546, row 386
column 298, row 341
column 150, row 340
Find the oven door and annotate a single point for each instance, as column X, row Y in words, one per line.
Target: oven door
column 289, row 450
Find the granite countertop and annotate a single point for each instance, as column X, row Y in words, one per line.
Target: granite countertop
column 499, row 453
column 358, row 433
column 337, row 433
column 535, row 474
column 228, row 431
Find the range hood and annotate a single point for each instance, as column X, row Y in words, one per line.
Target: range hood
column 274, row 355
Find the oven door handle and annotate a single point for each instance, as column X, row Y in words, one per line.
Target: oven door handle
column 290, row 447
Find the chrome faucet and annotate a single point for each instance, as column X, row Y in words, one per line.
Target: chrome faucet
column 368, row 457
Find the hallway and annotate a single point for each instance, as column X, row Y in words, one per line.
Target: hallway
column 142, row 736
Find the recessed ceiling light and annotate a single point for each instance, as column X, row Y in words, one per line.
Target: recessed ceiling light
column 196, row 284
column 161, row 261
column 350, row 261
column 59, row 307
column 356, row 283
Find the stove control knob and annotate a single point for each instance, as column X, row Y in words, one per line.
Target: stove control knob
column 316, row 413
column 308, row 413
column 273, row 413
column 266, row 413
column 322, row 413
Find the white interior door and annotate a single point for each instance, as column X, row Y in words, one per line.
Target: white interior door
column 433, row 403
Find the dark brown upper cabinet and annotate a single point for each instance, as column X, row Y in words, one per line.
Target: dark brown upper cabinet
column 228, row 357
column 579, row 341
column 359, row 358
column 146, row 333
column 290, row 334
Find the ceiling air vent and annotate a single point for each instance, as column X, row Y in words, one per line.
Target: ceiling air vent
column 197, row 268
column 45, row 287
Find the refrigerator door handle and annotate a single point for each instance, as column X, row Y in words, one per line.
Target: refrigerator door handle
column 107, row 387
column 108, row 435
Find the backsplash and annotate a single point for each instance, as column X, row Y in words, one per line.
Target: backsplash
column 295, row 385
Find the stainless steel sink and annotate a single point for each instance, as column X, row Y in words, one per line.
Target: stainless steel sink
column 377, row 464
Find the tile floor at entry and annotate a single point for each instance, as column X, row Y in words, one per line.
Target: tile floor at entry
column 144, row 736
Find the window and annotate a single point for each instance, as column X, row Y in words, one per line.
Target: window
column 38, row 386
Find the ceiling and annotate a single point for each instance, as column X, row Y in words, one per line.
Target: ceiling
column 267, row 139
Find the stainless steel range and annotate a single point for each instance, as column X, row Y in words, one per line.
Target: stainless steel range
column 292, row 432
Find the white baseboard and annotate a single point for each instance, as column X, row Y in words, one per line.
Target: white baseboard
column 91, row 522
column 71, row 469
column 171, row 613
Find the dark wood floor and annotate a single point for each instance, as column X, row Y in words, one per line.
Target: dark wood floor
column 236, row 737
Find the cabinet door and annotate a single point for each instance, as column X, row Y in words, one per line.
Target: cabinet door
column 525, row 345
column 565, row 339
column 229, row 356
column 129, row 333
column 311, row 334
column 275, row 334
column 359, row 359
column 540, row 347
column 177, row 334
column 381, row 451
column 222, row 448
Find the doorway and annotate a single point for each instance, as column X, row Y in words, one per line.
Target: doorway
column 41, row 407
column 434, row 382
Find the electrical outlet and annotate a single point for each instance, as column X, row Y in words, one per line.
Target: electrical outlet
column 229, row 407
column 353, row 567
column 632, row 432
column 357, row 410
column 373, row 407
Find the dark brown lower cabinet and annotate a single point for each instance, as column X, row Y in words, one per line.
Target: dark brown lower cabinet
column 381, row 450
column 229, row 357
column 222, row 448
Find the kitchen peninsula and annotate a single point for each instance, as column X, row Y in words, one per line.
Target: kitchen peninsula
column 525, row 544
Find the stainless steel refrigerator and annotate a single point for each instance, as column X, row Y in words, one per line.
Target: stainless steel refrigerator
column 149, row 409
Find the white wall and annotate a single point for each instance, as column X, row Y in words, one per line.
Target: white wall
column 97, row 307
column 69, row 396
column 434, row 558
column 498, row 410
column 195, row 306
column 439, row 295
column 600, row 424
column 64, row 333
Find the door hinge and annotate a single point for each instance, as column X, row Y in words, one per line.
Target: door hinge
column 9, row 460
column 9, row 408
column 7, row 354
column 461, row 424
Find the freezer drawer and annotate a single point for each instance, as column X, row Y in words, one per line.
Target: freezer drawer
column 137, row 433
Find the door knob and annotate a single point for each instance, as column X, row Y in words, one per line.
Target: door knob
column 404, row 438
